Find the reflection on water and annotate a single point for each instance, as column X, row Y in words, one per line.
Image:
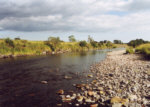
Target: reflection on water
column 20, row 78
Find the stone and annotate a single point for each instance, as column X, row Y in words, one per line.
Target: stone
column 87, row 87
column 133, row 97
column 101, row 92
column 117, row 105
column 88, row 100
column 60, row 92
column 68, row 96
column 90, row 76
column 44, row 82
column 94, row 105
column 77, row 105
column 59, row 104
column 90, row 93
column 79, row 98
column 73, row 96
column 80, row 86
column 67, row 77
column 64, row 99
column 99, row 88
column 118, row 100
column 94, row 81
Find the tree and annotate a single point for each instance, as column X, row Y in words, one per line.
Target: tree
column 105, row 41
column 17, row 38
column 137, row 42
column 72, row 38
column 90, row 39
column 94, row 44
column 53, row 42
column 9, row 42
column 117, row 41
column 109, row 44
column 83, row 43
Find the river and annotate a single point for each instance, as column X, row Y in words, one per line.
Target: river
column 20, row 78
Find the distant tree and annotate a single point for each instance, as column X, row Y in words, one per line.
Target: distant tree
column 105, row 41
column 94, row 44
column 117, row 41
column 137, row 42
column 101, row 42
column 53, row 42
column 9, row 42
column 17, row 38
column 90, row 39
column 109, row 44
column 72, row 38
column 83, row 43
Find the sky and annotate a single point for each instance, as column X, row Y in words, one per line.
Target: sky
column 101, row 19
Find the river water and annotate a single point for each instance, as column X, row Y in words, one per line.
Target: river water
column 20, row 78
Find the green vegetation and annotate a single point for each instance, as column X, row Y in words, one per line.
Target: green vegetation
column 130, row 50
column 82, row 43
column 22, row 47
column 137, row 42
column 72, row 38
column 118, row 42
column 140, row 46
column 144, row 49
column 18, row 47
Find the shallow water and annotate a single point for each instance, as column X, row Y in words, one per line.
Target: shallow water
column 20, row 78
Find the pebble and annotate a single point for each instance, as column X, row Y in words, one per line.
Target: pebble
column 44, row 82
column 60, row 92
column 94, row 105
column 117, row 105
column 133, row 97
column 121, row 79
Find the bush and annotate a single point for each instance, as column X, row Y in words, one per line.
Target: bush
column 9, row 42
column 94, row 44
column 82, row 44
column 137, row 42
column 144, row 49
column 129, row 51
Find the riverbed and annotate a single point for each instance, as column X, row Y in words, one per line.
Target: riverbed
column 34, row 80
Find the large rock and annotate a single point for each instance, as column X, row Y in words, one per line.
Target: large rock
column 60, row 92
column 133, row 97
column 79, row 98
column 94, row 105
column 117, row 105
column 118, row 100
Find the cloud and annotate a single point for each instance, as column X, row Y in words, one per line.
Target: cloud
column 138, row 5
column 75, row 15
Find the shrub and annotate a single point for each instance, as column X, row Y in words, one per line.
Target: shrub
column 72, row 38
column 82, row 44
column 129, row 51
column 9, row 42
column 94, row 44
column 137, row 42
column 144, row 49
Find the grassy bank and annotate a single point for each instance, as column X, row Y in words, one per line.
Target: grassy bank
column 24, row 47
column 144, row 49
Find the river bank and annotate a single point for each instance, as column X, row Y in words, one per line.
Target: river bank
column 48, row 53
column 120, row 80
column 13, row 48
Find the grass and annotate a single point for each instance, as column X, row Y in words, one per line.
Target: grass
column 129, row 50
column 24, row 47
column 144, row 49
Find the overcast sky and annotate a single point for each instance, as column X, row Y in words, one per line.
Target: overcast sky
column 102, row 19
